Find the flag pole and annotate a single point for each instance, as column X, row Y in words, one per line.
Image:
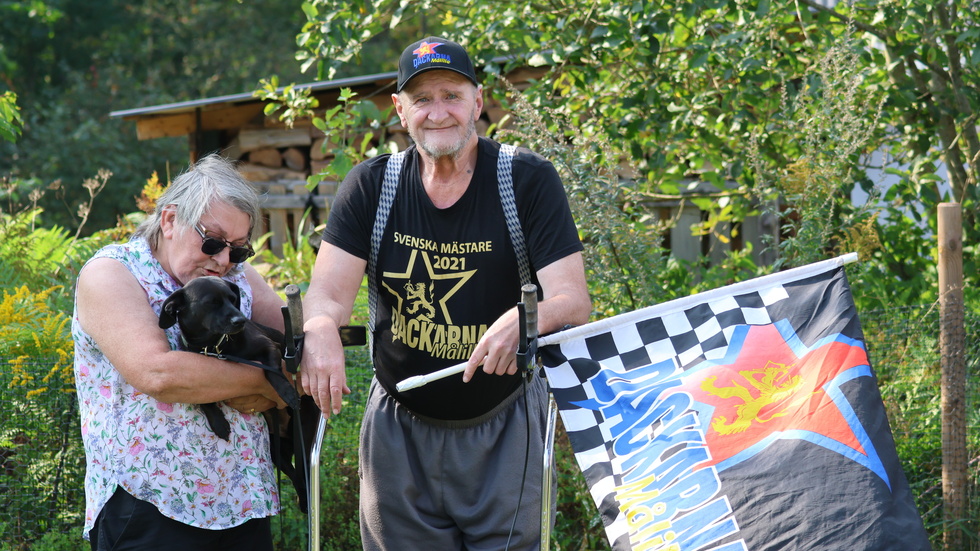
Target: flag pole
column 681, row 304
column 527, row 361
column 546, row 478
column 563, row 336
column 419, row 380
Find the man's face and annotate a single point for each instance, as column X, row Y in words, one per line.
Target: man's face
column 440, row 108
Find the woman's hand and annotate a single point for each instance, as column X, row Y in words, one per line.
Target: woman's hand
column 256, row 403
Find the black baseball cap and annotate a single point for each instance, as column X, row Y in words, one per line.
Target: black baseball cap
column 433, row 53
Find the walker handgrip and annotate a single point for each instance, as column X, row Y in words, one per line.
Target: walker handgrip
column 294, row 301
column 528, row 311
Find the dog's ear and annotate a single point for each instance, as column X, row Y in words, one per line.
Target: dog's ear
column 171, row 306
column 237, row 292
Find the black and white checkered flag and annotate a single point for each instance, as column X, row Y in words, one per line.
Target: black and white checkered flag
column 643, row 434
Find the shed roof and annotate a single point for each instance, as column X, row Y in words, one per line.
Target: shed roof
column 247, row 97
column 231, row 112
column 234, row 111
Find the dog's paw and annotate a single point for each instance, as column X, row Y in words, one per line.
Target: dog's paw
column 216, row 420
column 222, row 429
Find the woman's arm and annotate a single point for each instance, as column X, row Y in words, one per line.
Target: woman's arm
column 113, row 309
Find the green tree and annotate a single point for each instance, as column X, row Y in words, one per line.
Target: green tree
column 718, row 91
column 72, row 62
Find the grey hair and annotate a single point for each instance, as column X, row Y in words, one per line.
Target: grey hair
column 213, row 179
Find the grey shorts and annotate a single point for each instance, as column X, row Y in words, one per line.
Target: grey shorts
column 453, row 485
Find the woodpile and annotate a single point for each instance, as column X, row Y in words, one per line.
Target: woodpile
column 278, row 160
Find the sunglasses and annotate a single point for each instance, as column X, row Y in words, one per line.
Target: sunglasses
column 212, row 246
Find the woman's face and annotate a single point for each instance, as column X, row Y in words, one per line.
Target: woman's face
column 180, row 247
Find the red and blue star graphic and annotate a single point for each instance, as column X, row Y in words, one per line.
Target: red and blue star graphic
column 426, row 48
column 769, row 386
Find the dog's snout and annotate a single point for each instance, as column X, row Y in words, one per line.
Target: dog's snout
column 229, row 322
column 238, row 321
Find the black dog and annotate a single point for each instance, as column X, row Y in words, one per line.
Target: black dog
column 207, row 311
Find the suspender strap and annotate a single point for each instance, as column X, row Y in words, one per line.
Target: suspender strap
column 505, row 180
column 389, row 187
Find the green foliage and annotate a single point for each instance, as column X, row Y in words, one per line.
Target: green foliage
column 40, row 454
column 578, row 525
column 624, row 259
column 350, row 128
column 29, row 327
column 35, row 255
column 32, row 253
column 295, row 265
column 328, row 46
column 891, row 278
column 295, row 102
column 72, row 63
column 903, row 347
column 10, row 123
column 760, row 101
column 41, row 458
column 54, row 541
column 736, row 266
column 41, row 156
column 820, row 131
column 32, row 258
column 43, row 467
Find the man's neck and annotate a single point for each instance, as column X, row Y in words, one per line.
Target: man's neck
column 446, row 179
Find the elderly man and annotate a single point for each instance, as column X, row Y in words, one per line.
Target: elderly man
column 447, row 249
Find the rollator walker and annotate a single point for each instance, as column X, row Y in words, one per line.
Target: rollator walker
column 356, row 336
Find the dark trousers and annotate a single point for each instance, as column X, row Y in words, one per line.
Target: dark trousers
column 127, row 523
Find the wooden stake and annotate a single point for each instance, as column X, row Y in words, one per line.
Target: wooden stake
column 952, row 338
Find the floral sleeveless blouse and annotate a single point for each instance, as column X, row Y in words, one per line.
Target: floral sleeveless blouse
column 165, row 453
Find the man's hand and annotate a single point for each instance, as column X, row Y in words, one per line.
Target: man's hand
column 565, row 301
column 323, row 372
column 329, row 301
column 497, row 350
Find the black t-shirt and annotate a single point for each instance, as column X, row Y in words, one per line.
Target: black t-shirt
column 445, row 275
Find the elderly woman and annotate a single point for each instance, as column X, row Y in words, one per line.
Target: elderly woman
column 157, row 476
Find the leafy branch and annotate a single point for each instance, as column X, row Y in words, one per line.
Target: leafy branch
column 350, row 128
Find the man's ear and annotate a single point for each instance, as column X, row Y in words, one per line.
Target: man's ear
column 396, row 101
column 171, row 307
column 479, row 102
